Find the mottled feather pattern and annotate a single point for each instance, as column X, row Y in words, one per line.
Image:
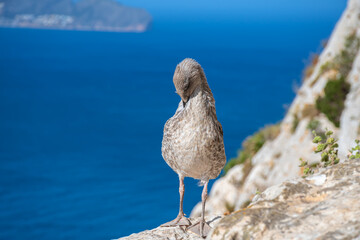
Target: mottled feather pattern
column 193, row 138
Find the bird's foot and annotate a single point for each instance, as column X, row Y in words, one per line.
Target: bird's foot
column 180, row 220
column 196, row 228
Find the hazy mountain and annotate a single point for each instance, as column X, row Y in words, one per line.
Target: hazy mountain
column 109, row 13
column 37, row 7
column 106, row 15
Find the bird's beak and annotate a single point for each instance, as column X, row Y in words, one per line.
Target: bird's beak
column 185, row 101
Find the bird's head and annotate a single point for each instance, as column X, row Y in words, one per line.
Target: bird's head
column 187, row 78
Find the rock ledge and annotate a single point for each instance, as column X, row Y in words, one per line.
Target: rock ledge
column 322, row 206
column 171, row 233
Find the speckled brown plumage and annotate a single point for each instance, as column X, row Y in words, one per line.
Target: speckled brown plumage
column 193, row 138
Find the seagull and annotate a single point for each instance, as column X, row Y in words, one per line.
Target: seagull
column 193, row 143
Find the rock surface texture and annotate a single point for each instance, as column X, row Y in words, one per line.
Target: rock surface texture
column 278, row 160
column 171, row 233
column 325, row 205
column 322, row 206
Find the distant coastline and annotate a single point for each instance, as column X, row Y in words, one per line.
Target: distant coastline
column 86, row 15
column 135, row 29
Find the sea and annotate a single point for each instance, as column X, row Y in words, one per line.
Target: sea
column 82, row 116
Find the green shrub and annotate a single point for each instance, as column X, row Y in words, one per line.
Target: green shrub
column 328, row 148
column 251, row 146
column 342, row 62
column 355, row 151
column 295, row 123
column 314, row 125
column 229, row 207
column 332, row 103
column 346, row 57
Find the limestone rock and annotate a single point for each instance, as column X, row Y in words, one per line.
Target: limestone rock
column 171, row 233
column 278, row 160
column 322, row 206
column 224, row 193
column 350, row 129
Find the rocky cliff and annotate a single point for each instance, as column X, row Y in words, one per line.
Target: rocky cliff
column 333, row 81
column 322, row 206
column 264, row 196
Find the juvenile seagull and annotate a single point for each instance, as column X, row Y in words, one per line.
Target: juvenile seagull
column 193, row 138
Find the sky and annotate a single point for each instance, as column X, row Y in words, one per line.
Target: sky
column 247, row 9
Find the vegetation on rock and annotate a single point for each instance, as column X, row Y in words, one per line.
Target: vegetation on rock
column 295, row 123
column 328, row 150
column 344, row 60
column 309, row 69
column 251, row 146
column 314, row 125
column 292, row 209
column 229, row 207
column 355, row 151
column 332, row 103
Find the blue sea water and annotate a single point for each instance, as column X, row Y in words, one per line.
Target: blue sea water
column 82, row 114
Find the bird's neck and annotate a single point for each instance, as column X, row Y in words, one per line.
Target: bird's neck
column 206, row 89
column 200, row 98
column 202, row 89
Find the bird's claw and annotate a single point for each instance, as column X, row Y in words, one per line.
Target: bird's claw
column 180, row 220
column 196, row 228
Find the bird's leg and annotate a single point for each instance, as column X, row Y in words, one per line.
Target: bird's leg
column 203, row 201
column 180, row 220
column 201, row 227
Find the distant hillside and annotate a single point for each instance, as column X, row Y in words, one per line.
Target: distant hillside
column 102, row 15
